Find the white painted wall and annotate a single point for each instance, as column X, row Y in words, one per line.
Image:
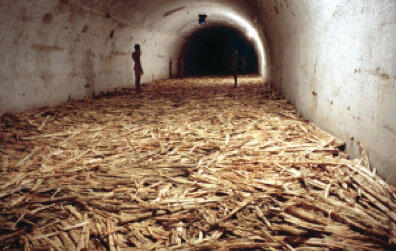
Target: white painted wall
column 54, row 51
column 335, row 60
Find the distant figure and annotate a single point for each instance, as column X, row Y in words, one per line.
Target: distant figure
column 170, row 68
column 138, row 66
column 180, row 67
column 234, row 67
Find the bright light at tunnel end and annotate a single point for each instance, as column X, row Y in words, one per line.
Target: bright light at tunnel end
column 251, row 32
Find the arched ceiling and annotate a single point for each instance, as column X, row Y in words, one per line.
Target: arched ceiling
column 159, row 11
column 175, row 15
column 180, row 18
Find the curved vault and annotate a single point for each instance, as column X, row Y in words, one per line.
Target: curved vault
column 179, row 19
column 185, row 23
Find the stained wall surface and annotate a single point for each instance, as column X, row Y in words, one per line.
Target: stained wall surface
column 335, row 60
column 60, row 50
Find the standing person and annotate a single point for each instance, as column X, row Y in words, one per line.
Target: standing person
column 234, row 67
column 180, row 67
column 138, row 66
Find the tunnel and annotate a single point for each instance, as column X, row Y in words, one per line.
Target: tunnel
column 298, row 155
column 208, row 51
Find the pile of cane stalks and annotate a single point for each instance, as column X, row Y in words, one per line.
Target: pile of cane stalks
column 190, row 164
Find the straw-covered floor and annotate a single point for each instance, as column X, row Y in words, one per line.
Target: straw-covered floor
column 187, row 165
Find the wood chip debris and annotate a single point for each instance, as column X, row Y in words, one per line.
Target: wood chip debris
column 188, row 164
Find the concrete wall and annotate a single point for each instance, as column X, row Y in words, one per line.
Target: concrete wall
column 53, row 51
column 335, row 60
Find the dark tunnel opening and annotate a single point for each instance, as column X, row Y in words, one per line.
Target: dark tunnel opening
column 208, row 51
